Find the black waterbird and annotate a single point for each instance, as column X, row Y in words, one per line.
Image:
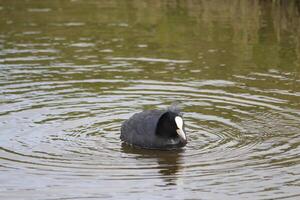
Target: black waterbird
column 155, row 129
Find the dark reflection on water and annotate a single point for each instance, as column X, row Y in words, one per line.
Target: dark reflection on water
column 168, row 161
column 72, row 71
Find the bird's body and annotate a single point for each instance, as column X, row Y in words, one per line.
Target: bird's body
column 154, row 129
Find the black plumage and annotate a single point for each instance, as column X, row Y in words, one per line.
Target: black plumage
column 153, row 129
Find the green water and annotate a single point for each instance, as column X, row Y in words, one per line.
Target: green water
column 72, row 71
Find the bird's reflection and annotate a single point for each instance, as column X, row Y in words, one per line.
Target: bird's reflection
column 169, row 162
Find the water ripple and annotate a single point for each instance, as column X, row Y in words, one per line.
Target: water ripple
column 64, row 98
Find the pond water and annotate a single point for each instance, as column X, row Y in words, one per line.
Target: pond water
column 72, row 71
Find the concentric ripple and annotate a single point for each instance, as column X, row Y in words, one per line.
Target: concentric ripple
column 67, row 132
column 66, row 87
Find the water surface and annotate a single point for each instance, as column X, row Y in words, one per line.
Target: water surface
column 73, row 71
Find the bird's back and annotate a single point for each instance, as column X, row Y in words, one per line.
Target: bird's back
column 139, row 130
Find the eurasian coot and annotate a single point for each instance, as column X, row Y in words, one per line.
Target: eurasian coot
column 155, row 129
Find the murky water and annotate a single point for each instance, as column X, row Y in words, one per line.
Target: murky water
column 73, row 71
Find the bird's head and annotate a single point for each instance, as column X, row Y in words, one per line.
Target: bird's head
column 171, row 125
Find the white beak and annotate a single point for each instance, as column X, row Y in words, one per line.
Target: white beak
column 179, row 123
column 181, row 133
